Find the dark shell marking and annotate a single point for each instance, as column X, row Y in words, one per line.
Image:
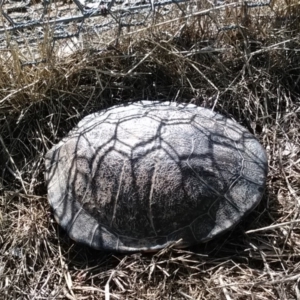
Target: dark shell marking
column 141, row 176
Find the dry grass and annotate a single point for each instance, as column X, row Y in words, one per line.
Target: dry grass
column 251, row 74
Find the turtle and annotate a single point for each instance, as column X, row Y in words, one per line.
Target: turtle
column 141, row 176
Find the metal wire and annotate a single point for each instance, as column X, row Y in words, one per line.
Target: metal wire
column 29, row 22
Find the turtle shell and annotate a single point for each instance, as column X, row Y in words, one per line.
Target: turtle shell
column 141, row 176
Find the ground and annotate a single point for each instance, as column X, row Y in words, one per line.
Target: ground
column 249, row 73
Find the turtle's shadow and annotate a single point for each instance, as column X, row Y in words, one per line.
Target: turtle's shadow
column 247, row 241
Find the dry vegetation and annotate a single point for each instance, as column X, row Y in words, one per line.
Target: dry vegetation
column 250, row 73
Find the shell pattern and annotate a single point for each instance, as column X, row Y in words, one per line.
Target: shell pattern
column 141, row 176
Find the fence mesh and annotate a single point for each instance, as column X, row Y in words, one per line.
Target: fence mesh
column 73, row 24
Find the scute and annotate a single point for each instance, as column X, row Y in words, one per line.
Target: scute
column 141, row 176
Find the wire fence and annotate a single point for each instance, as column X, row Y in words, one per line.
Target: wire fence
column 25, row 23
